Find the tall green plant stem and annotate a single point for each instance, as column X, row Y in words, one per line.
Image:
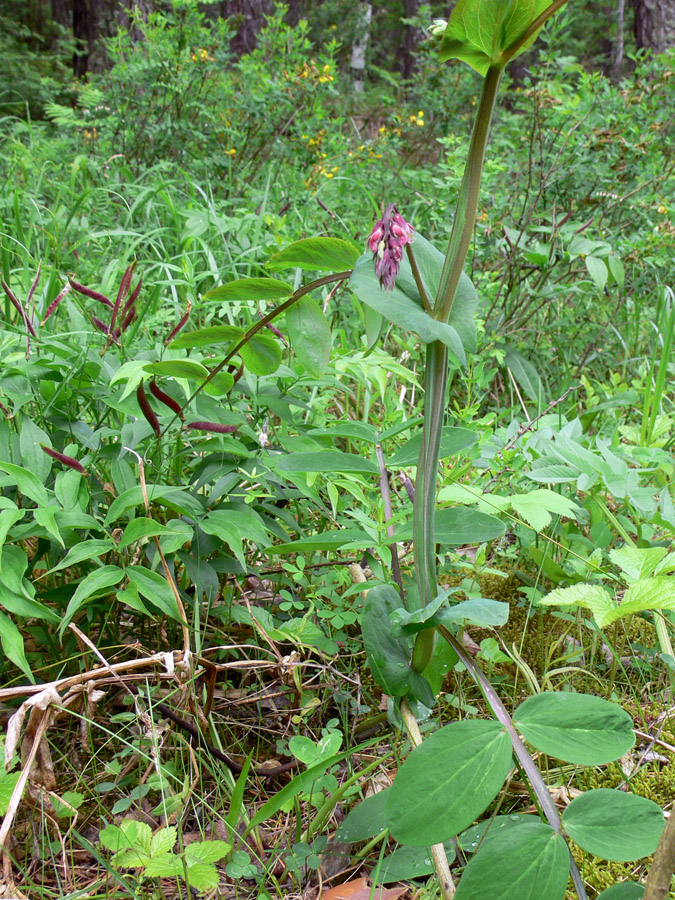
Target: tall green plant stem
column 467, row 202
column 436, row 371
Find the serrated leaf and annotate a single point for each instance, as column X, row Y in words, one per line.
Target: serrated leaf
column 637, row 562
column 588, row 596
column 577, row 728
column 207, row 851
column 166, row 865
column 536, row 507
column 244, row 289
column 614, row 825
column 448, row 781
column 163, row 840
column 315, row 254
column 203, row 876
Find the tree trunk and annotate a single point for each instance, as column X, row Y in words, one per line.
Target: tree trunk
column 248, row 17
column 360, row 45
column 411, row 39
column 655, row 24
column 83, row 34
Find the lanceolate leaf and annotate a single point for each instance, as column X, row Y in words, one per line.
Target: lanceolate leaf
column 250, row 289
column 577, row 728
column 448, row 781
column 614, row 825
column 12, row 646
column 453, row 441
column 96, row 582
column 530, row 862
column 315, row 254
column 329, row 461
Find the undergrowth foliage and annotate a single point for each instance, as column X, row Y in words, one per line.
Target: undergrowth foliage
column 264, row 493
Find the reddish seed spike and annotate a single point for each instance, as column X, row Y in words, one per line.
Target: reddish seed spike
column 121, row 294
column 55, row 302
column 133, row 296
column 147, row 410
column 87, row 292
column 214, row 427
column 181, row 323
column 19, row 308
column 69, row 461
column 100, row 325
column 174, row 405
column 128, row 319
column 34, row 284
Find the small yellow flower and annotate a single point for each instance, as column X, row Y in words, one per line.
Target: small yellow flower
column 662, row 209
column 382, row 129
column 232, row 151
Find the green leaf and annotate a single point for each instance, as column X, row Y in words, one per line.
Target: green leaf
column 261, row 354
column 406, row 863
column 389, row 653
column 203, row 876
column 453, row 441
column 178, row 368
column 471, row 838
column 8, row 781
column 12, row 645
column 526, row 375
column 166, row 865
column 327, row 461
column 637, row 562
column 33, row 456
column 479, row 31
column 480, row 611
column 648, row 593
column 532, row 862
column 365, row 820
column 45, row 516
column 315, row 254
column 310, row 335
column 86, row 550
column 206, row 337
column 207, row 851
column 222, row 524
column 329, row 540
column 163, row 840
column 250, row 289
column 598, row 271
column 588, row 596
column 96, row 582
column 448, row 781
column 8, row 518
column 154, row 588
column 182, row 501
column 577, row 728
column 624, row 890
column 614, row 825
column 139, row 529
column 537, row 506
column 458, row 525
column 28, row 483
column 403, row 305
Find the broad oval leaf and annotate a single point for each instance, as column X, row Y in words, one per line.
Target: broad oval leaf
column 614, row 825
column 315, row 254
column 154, row 588
column 367, row 819
column 406, row 863
column 530, row 862
column 388, row 651
column 448, row 781
column 261, row 354
column 479, row 31
column 310, row 335
column 577, row 728
column 625, row 890
column 458, row 525
column 250, row 289
column 403, row 305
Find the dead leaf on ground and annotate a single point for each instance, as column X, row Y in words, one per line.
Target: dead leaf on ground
column 360, row 889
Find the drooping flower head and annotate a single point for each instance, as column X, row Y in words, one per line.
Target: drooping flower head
column 389, row 236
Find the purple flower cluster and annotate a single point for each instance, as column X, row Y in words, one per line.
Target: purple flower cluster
column 387, row 239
